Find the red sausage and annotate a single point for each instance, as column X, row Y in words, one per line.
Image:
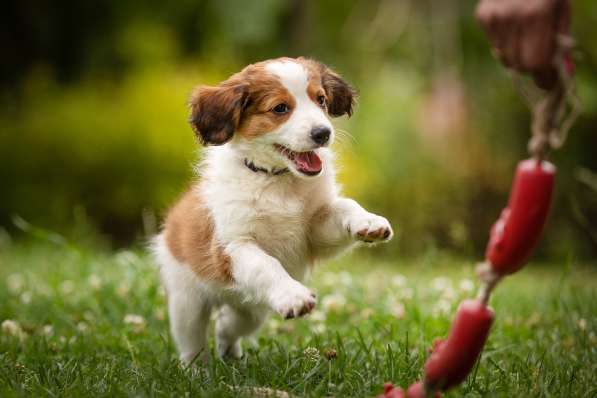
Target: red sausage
column 417, row 391
column 389, row 391
column 414, row 391
column 454, row 358
column 519, row 227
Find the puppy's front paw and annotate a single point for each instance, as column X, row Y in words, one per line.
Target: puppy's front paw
column 227, row 349
column 370, row 228
column 292, row 300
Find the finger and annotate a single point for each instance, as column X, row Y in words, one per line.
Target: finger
column 495, row 26
column 558, row 18
column 489, row 17
column 483, row 12
column 537, row 43
column 563, row 16
column 546, row 79
column 510, row 33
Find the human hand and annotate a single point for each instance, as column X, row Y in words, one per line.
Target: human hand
column 523, row 34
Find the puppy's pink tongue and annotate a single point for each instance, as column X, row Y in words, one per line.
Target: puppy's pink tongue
column 307, row 162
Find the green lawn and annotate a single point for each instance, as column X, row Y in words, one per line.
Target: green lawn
column 93, row 323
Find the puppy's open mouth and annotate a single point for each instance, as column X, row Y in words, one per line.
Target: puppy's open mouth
column 307, row 163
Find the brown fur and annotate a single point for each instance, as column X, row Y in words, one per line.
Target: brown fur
column 243, row 103
column 216, row 111
column 266, row 91
column 340, row 96
column 189, row 231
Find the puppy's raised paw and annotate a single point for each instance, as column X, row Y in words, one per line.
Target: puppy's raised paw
column 370, row 228
column 293, row 300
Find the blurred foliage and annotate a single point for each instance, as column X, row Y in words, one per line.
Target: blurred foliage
column 93, row 112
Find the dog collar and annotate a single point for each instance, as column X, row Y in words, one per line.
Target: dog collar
column 251, row 166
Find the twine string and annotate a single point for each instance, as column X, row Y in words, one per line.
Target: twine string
column 555, row 112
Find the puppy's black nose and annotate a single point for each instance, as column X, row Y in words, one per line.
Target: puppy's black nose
column 320, row 135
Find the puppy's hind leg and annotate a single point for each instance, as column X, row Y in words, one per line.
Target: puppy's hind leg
column 189, row 319
column 189, row 303
column 231, row 325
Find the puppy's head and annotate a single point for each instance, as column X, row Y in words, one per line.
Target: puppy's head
column 275, row 112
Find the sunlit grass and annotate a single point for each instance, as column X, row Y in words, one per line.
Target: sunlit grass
column 87, row 322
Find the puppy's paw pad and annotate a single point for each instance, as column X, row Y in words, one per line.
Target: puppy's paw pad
column 371, row 228
column 294, row 301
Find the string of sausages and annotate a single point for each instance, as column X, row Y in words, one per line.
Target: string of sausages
column 512, row 238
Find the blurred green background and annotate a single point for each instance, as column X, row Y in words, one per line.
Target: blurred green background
column 94, row 141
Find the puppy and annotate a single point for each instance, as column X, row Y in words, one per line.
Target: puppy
column 266, row 206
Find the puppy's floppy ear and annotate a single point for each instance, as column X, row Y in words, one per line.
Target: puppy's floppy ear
column 341, row 95
column 216, row 111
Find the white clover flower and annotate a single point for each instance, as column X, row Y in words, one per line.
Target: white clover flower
column 134, row 319
column 582, row 324
column 398, row 310
column 441, row 283
column 67, row 287
column 26, row 297
column 333, row 302
column 47, row 330
column 12, row 328
column 399, row 280
column 466, row 285
column 311, row 353
column 95, row 281
column 273, row 324
column 448, row 294
column 137, row 321
column 82, row 327
column 15, row 283
column 319, row 328
column 442, row 308
column 317, row 316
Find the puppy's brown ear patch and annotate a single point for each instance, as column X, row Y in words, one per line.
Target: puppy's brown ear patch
column 216, row 111
column 341, row 95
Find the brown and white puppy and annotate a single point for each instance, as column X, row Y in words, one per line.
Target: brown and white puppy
column 266, row 207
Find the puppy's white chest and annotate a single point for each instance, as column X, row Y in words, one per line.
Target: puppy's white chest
column 279, row 224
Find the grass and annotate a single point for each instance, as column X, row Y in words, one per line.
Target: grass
column 93, row 323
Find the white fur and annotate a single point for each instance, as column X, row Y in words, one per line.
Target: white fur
column 296, row 132
column 189, row 303
column 266, row 225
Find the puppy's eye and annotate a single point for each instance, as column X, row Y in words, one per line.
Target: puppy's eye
column 281, row 109
column 321, row 101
